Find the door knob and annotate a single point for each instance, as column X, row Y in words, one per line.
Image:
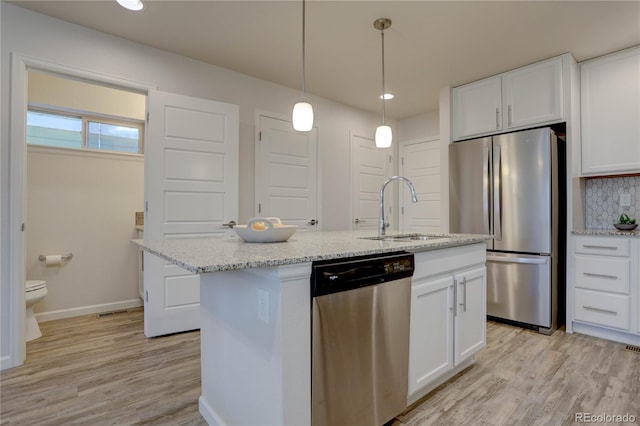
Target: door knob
column 313, row 222
column 230, row 224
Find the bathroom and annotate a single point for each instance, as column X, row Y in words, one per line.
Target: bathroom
column 83, row 202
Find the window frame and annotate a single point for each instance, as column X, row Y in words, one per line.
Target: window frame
column 87, row 117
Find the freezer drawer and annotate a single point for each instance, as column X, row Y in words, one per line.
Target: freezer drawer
column 519, row 288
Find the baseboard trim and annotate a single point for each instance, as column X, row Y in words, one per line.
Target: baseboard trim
column 88, row 310
column 5, row 362
column 628, row 338
column 209, row 413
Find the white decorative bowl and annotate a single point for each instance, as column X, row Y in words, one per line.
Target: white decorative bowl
column 265, row 230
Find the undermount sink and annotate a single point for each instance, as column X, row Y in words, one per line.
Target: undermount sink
column 406, row 237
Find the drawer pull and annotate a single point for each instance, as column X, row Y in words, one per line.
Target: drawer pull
column 599, row 247
column 590, row 274
column 604, row 311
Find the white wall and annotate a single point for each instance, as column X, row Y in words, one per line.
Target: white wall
column 83, row 203
column 421, row 126
column 48, row 39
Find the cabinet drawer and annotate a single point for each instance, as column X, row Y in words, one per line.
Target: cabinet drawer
column 611, row 310
column 604, row 246
column 605, row 274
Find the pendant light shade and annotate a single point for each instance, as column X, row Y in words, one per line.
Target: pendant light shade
column 302, row 116
column 384, row 135
column 131, row 4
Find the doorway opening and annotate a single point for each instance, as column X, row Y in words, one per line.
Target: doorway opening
column 54, row 167
column 84, row 185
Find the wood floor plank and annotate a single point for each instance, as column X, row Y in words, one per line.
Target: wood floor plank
column 103, row 371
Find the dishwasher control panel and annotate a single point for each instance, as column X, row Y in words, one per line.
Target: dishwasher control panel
column 346, row 274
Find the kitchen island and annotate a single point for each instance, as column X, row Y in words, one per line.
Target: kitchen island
column 256, row 312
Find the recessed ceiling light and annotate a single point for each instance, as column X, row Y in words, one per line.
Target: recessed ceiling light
column 387, row 96
column 131, row 4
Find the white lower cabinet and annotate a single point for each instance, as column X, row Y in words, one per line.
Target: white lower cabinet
column 470, row 314
column 606, row 301
column 431, row 344
column 448, row 315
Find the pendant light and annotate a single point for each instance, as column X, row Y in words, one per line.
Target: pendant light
column 131, row 4
column 302, row 117
column 383, row 132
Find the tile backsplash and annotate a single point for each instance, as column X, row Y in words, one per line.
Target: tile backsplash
column 603, row 200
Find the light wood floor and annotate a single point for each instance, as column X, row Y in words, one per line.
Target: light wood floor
column 103, row 371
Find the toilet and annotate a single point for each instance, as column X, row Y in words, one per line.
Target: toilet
column 35, row 292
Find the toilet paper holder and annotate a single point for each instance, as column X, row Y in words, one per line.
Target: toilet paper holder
column 66, row 257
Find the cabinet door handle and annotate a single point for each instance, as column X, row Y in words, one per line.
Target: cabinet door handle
column 455, row 297
column 605, row 311
column 600, row 247
column 591, row 274
column 229, row 224
column 509, row 115
column 497, row 118
column 464, row 294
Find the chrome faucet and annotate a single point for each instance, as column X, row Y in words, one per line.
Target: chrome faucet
column 414, row 199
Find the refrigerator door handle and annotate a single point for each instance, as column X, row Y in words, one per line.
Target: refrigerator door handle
column 529, row 260
column 486, row 171
column 497, row 194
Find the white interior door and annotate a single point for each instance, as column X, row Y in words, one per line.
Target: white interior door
column 420, row 163
column 286, row 176
column 191, row 189
column 370, row 167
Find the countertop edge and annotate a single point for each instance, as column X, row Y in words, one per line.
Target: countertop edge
column 451, row 240
column 607, row 232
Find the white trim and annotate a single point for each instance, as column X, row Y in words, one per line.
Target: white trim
column 419, row 140
column 17, row 209
column 5, row 362
column 210, row 416
column 92, row 153
column 88, row 310
column 619, row 336
column 89, row 76
column 15, row 258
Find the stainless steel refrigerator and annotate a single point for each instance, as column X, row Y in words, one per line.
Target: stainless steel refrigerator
column 510, row 186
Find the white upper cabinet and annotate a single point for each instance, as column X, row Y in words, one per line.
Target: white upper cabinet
column 610, row 113
column 533, row 95
column 477, row 108
column 526, row 97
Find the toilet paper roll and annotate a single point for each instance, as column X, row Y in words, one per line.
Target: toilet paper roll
column 54, row 259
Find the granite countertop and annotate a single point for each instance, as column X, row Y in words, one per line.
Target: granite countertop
column 607, row 232
column 201, row 255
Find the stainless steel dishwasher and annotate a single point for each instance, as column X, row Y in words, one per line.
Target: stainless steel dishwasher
column 360, row 339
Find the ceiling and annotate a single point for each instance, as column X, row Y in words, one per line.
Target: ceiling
column 431, row 44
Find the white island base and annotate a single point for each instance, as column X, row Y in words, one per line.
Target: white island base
column 256, row 335
column 256, row 346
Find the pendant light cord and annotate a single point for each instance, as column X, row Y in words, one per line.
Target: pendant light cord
column 383, row 89
column 303, row 45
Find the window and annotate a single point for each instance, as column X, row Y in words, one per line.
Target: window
column 83, row 132
column 54, row 130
